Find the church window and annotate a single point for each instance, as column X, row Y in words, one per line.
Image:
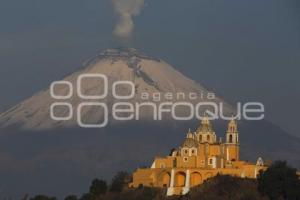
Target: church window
column 185, row 159
column 210, row 161
column 200, row 138
column 208, row 138
column 230, row 138
column 186, row 151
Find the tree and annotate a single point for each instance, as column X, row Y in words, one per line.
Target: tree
column 98, row 187
column 279, row 181
column 119, row 181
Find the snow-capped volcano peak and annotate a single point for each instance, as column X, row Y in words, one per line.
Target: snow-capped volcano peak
column 121, row 53
column 149, row 76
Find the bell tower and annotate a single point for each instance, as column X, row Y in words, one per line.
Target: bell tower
column 232, row 135
column 232, row 142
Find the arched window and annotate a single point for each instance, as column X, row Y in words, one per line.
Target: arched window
column 230, row 138
column 200, row 138
column 208, row 137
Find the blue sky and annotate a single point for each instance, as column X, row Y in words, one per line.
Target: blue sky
column 245, row 50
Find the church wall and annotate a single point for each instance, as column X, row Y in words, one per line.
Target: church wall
column 186, row 161
column 167, row 162
column 214, row 150
column 233, row 151
column 142, row 177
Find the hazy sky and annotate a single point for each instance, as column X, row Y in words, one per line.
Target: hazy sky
column 243, row 49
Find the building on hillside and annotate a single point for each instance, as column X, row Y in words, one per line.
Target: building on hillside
column 201, row 156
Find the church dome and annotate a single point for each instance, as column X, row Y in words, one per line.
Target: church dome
column 205, row 128
column 189, row 143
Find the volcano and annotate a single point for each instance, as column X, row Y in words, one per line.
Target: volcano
column 149, row 75
column 64, row 157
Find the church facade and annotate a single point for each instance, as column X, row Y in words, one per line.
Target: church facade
column 200, row 157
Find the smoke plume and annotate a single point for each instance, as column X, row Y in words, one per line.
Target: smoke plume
column 126, row 10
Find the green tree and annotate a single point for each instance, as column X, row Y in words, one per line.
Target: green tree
column 98, row 187
column 279, row 181
column 119, row 181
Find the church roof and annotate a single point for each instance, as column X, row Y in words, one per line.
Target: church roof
column 189, row 143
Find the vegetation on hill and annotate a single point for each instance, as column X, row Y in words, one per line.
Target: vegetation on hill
column 279, row 182
column 225, row 187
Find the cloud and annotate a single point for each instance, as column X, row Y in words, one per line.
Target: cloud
column 126, row 10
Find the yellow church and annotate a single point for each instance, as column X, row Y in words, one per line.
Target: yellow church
column 200, row 157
